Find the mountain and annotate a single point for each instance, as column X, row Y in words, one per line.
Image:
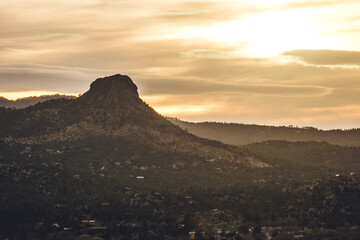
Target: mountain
column 4, row 102
column 112, row 109
column 107, row 165
column 28, row 101
column 242, row 134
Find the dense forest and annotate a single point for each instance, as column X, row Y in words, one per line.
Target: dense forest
column 311, row 153
column 65, row 190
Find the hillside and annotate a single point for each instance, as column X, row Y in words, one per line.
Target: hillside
column 112, row 109
column 29, row 101
column 241, row 134
column 298, row 155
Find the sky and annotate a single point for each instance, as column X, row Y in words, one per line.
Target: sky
column 271, row 62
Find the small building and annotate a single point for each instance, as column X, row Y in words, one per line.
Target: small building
column 88, row 221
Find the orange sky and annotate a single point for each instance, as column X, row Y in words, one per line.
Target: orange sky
column 280, row 62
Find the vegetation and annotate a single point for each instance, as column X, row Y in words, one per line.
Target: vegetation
column 107, row 166
column 29, row 101
column 242, row 134
column 52, row 190
column 306, row 154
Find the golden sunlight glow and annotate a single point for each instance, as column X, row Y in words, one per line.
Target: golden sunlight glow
column 17, row 95
column 161, row 104
column 272, row 2
column 184, row 110
column 272, row 33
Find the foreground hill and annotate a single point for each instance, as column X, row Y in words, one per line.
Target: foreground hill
column 29, row 101
column 241, row 134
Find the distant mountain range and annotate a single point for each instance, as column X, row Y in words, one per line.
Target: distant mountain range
column 242, row 134
column 28, row 101
column 230, row 133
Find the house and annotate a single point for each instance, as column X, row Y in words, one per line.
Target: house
column 85, row 221
column 92, row 226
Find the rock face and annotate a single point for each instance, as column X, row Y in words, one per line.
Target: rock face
column 113, row 92
column 112, row 109
column 113, row 104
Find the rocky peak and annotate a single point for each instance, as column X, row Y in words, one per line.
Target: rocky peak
column 116, row 90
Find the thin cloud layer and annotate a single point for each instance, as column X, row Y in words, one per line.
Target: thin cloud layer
column 327, row 57
column 30, row 77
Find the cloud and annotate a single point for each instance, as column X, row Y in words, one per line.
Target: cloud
column 24, row 77
column 319, row 111
column 30, row 77
column 189, row 54
column 205, row 12
column 201, row 86
column 220, row 53
column 326, row 57
column 312, row 4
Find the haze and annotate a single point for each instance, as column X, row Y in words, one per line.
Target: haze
column 265, row 62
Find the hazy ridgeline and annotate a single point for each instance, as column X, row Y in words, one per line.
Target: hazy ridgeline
column 28, row 101
column 241, row 134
